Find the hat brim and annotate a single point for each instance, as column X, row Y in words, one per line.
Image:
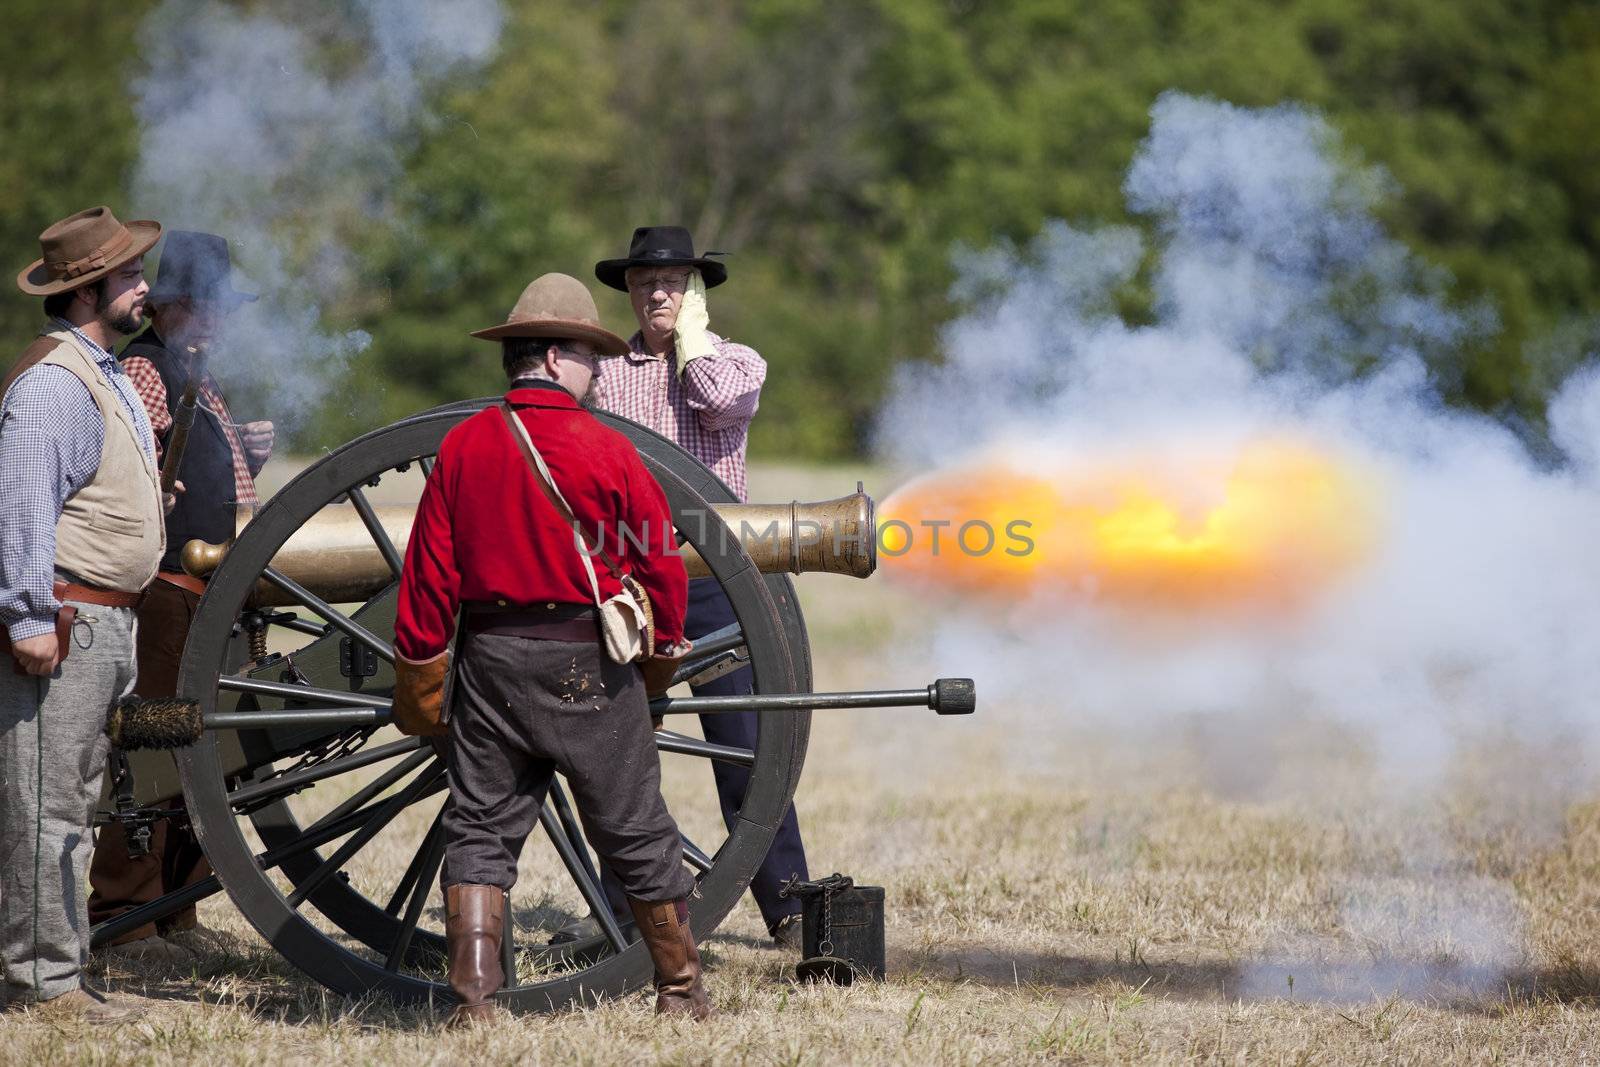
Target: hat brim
column 604, row 341
column 614, row 272
column 35, row 279
column 231, row 299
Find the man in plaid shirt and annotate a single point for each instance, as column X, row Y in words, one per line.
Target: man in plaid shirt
column 192, row 296
column 701, row 391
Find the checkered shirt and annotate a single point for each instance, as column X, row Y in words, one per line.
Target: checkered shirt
column 51, row 435
column 153, row 391
column 707, row 411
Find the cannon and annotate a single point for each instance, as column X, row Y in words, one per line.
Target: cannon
column 295, row 778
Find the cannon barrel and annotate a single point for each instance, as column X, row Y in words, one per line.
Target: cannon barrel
column 334, row 555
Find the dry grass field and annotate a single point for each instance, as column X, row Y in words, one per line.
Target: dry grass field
column 1055, row 894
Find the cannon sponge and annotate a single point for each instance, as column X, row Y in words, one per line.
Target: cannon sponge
column 137, row 723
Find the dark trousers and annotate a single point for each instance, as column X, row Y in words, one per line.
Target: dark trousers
column 710, row 611
column 117, row 882
column 525, row 708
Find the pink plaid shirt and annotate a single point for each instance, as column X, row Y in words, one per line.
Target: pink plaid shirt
column 707, row 411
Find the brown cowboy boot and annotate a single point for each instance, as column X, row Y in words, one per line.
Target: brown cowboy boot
column 474, row 922
column 665, row 929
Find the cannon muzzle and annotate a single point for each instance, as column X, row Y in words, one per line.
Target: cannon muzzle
column 334, row 555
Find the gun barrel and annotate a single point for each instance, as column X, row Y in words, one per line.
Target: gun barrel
column 334, row 556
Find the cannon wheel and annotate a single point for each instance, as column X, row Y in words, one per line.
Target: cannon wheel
column 387, row 940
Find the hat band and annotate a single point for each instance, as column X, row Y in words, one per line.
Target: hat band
column 94, row 260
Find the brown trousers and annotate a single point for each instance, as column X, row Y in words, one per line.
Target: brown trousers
column 117, row 882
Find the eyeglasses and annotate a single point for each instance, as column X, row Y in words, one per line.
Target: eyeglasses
column 672, row 281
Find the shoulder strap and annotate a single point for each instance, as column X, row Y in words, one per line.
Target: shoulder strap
column 541, row 475
column 31, row 357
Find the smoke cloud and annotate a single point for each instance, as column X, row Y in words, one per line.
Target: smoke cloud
column 283, row 132
column 1282, row 309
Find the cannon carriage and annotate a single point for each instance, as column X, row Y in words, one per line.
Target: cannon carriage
column 297, row 777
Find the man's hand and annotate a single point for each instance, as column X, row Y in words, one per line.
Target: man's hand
column 258, row 438
column 38, row 655
column 689, row 335
column 170, row 500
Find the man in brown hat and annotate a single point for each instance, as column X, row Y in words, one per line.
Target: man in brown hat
column 534, row 690
column 700, row 390
column 81, row 535
column 189, row 305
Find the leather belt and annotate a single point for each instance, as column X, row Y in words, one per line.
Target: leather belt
column 539, row 622
column 197, row 586
column 91, row 594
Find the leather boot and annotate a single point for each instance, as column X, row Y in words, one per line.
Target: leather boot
column 474, row 922
column 665, row 929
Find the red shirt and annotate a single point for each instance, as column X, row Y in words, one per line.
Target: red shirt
column 485, row 531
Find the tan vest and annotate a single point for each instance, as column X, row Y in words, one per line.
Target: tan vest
column 111, row 532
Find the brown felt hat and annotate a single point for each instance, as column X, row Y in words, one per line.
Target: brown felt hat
column 557, row 306
column 83, row 248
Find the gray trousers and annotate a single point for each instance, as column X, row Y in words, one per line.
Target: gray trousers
column 524, row 708
column 53, row 749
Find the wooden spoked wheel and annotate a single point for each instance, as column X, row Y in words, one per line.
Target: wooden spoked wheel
column 328, row 839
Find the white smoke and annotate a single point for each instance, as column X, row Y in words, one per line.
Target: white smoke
column 1282, row 307
column 283, row 131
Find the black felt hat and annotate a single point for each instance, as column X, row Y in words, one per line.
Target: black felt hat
column 196, row 266
column 660, row 246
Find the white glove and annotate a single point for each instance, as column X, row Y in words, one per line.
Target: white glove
column 689, row 335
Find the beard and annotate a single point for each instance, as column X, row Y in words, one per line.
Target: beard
column 126, row 323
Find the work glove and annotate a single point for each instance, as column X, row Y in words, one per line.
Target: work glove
column 419, row 695
column 659, row 668
column 689, row 335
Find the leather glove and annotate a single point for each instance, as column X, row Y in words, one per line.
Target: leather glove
column 659, row 668
column 689, row 335
column 419, row 695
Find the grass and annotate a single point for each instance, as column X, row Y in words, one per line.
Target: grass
column 1056, row 894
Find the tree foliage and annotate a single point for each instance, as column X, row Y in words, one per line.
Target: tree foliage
column 841, row 152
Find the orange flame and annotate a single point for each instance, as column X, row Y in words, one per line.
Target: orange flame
column 1268, row 523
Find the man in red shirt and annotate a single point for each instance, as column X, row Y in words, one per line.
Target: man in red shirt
column 534, row 691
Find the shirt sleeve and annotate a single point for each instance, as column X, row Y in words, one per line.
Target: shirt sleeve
column 659, row 567
column 430, row 582
column 725, row 389
column 153, row 395
column 50, row 439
